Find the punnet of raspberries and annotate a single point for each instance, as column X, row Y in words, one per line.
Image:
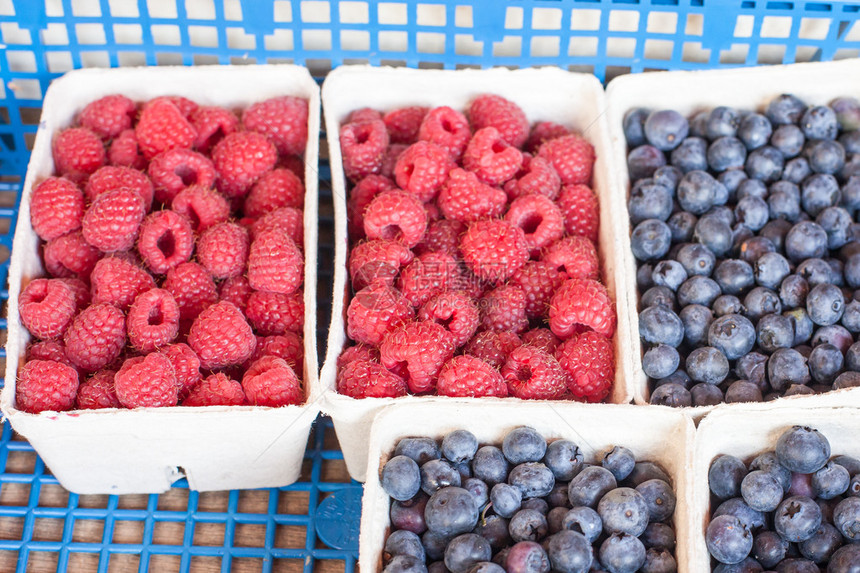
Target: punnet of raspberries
column 474, row 266
column 172, row 238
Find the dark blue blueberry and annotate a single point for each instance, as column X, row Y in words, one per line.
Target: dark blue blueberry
column 466, row 550
column 835, row 335
column 815, row 271
column 734, row 276
column 669, row 274
column 677, row 377
column 825, row 304
column 775, row 231
column 681, row 225
column 659, row 498
column 583, row 520
column 642, row 161
column 784, row 109
column 659, row 561
column 659, row 325
column 401, row 478
column 732, row 179
column 847, row 110
column 726, row 153
column 699, row 124
column 825, row 156
column 405, row 564
column 751, row 188
column 659, row 536
column 620, row 461
column 481, row 567
column 836, row 222
column 649, row 200
column 765, row 163
column 751, row 519
column 783, row 206
column 489, row 465
column 621, row 553
column 666, row 129
column 437, row 474
column 761, row 491
column 696, row 192
column 793, row 291
column 847, row 380
column 732, row 334
column 725, row 476
column 752, row 367
column 825, row 363
column 643, row 276
column 668, row 176
column 819, row 122
column 797, row 565
column 723, row 121
column 660, row 361
column 570, row 552
column 770, row 270
column 459, row 446
column 672, row 394
column 852, row 271
column 851, row 193
column 830, row 481
column 802, row 449
column 564, row 459
column 854, row 486
column 506, row 499
column 528, row 525
column 852, row 361
column 533, row 478
column 755, row 130
column 748, row 565
column 819, row 192
column 538, row 504
column 478, row 489
column 643, row 471
column 796, row 170
column 523, row 444
column 851, row 168
column 658, row 295
column 753, row 249
column 451, row 511
column 650, row 240
column 696, row 259
column 727, row 304
column 787, row 187
column 409, row 514
column 850, row 140
column 774, row 331
column 799, row 390
column 728, row 540
column 495, row 530
column 464, row 469
column 706, row 395
column 785, row 367
column 403, row 542
column 851, row 464
column 555, row 516
column 740, row 235
column 788, row 139
column 822, row 545
column 419, row 449
column 698, row 290
column 769, row 462
column 634, row 126
column 797, row 518
column 805, row 240
column 691, row 155
column 715, row 234
column 623, row 510
column 707, row 364
column 527, row 557
column 837, row 275
column 590, row 485
column 769, row 548
column 743, row 391
column 558, row 496
column 697, row 320
column 846, row 518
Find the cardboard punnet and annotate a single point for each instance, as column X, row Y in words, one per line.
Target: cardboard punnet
column 689, row 92
column 594, row 428
column 574, row 100
column 145, row 450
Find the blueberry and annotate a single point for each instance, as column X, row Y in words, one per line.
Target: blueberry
column 732, row 179
column 835, row 335
column 570, row 552
column 523, row 444
column 748, row 565
column 796, row 170
column 847, row 110
column 740, row 235
column 788, row 139
column 643, row 471
column 751, row 519
column 699, row 124
column 785, row 367
column 666, row 129
column 658, row 295
column 623, row 510
column 659, row 325
column 401, row 478
column 815, row 271
column 659, row 498
column 770, row 270
column 819, row 192
column 743, row 391
column 761, row 301
column 659, row 536
column 845, row 559
column 803, row 325
column 506, row 499
column 776, row 231
column 533, row 479
column 696, row 259
column 489, row 465
column 494, row 529
column 558, row 496
column 761, row 491
column 479, row 490
column 555, row 516
column 409, row 514
column 769, row 548
column 696, row 192
column 681, row 225
column 728, row 540
column 726, row 153
column 851, row 167
column 464, row 469
column 691, row 155
column 437, row 474
column 825, row 363
column 649, row 201
column 590, row 485
column 782, row 206
column 403, row 542
column 752, row 367
column 851, row 192
column 825, row 304
column 769, row 462
column 620, row 461
column 785, row 108
column 583, row 520
column 451, row 511
column 822, row 545
column 481, row 567
column 651, row 240
column 673, row 395
column 459, row 446
column 797, row 565
column 643, row 276
column 405, row 564
column 755, row 248
column 621, row 553
column 660, row 361
column 819, row 122
column 564, row 459
column 847, row 380
column 793, row 291
column 752, row 188
column 538, row 504
column 634, row 126
column 723, row 121
column 850, row 141
column 797, row 518
column 733, row 335
column 715, row 234
column 774, row 331
column 642, row 161
column 527, row 557
column 697, row 320
column 698, row 290
column 802, row 449
column 707, row 364
column 725, row 476
column 830, row 481
column 527, row 525
column 837, row 275
column 668, row 175
column 755, row 130
column 846, row 517
column 826, row 156
column 727, row 304
column 669, row 273
column 765, row 163
column 734, row 276
column 419, row 449
column 466, row 550
column 852, row 271
column 706, row 395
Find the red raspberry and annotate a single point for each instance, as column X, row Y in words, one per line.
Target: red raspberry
column 46, row 385
column 447, row 128
column 358, row 352
column 507, row 117
column 539, row 281
column 192, row 287
column 374, row 312
column 78, row 152
column 288, row 346
column 221, row 336
column 111, row 177
column 456, row 312
column 47, row 307
column 389, row 160
column 504, row 309
column 80, row 291
column 173, row 170
column 589, row 361
column 581, row 211
column 542, row 132
column 465, row 199
column 236, row 290
column 202, row 206
column 363, row 147
column 542, row 338
column 287, row 219
column 490, row 158
column 442, row 237
column 96, row 337
column 147, row 382
column 360, row 197
column 365, row 379
column 403, row 123
column 166, row 240
column 212, row 123
column 532, row 374
column 494, row 249
column 117, row 281
column 162, row 126
column 572, row 157
column 186, row 365
column 422, row 169
column 428, row 275
column 216, row 390
column 240, row 159
column 395, row 215
column 377, row 260
column 575, row 255
column 185, row 106
column 223, row 250
column 271, row 382
column 536, row 177
column 493, row 347
column 275, row 263
column 56, row 208
column 125, row 152
column 275, row 313
column 466, row 375
column 581, row 302
column 295, row 164
column 153, row 320
column 423, row 348
column 112, row 221
column 539, row 218
column 48, row 350
column 277, row 188
column 70, row 256
column 433, row 212
column 363, row 115
column 284, row 120
column 99, row 391
column 109, row 116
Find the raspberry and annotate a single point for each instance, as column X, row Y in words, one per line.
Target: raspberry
column 504, row 309
column 240, row 159
column 536, row 177
column 572, row 157
column 365, row 379
column 442, row 237
column 532, row 374
column 271, row 382
column 507, row 117
column 374, row 312
column 78, row 152
column 202, row 206
column 185, row 106
column 275, row 263
column 490, row 158
column 117, row 281
column 277, row 188
column 223, row 250
column 70, row 256
column 403, row 123
column 494, row 249
column 422, row 169
column 275, row 313
column 111, row 177
column 112, row 221
column 389, row 160
column 423, row 348
column 56, row 208
column 288, row 346
column 433, row 213
column 575, row 255
column 465, row 199
column 581, row 211
column 98, row 392
column 216, row 390
column 539, row 281
column 96, row 337
column 493, row 347
column 221, row 336
column 378, row 260
column 395, row 215
column 186, row 365
column 48, row 350
column 161, row 127
column 295, row 164
column 542, row 338
column 363, row 115
column 212, row 123
column 363, row 147
column 47, row 307
column 539, row 218
column 428, row 275
column 166, row 240
column 80, row 291
column 153, row 320
column 543, row 131
column 581, row 302
column 360, row 197
column 447, row 128
column 175, row 169
column 357, row 352
column 109, row 116
column 146, row 382
column 192, row 287
column 46, row 385
column 456, row 312
column 589, row 361
column 286, row 219
column 469, row 376
column 284, row 120
column 236, row 290
column 125, row 152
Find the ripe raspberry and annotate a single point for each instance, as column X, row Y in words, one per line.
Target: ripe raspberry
column 112, row 221
column 288, row 346
column 223, row 250
column 125, row 152
column 378, row 260
column 575, row 255
column 162, row 126
column 109, row 116
column 56, row 208
column 78, row 152
column 536, row 177
column 47, row 307
column 363, row 115
column 274, row 313
column 236, row 290
column 271, row 382
column 542, row 338
column 397, row 216
column 216, row 390
column 46, row 385
column 360, row 197
column 581, row 211
column 494, row 249
column 581, row 302
column 70, row 256
column 97, row 392
column 428, row 275
column 96, row 337
column 504, row 309
column 277, row 188
column 295, row 164
column 589, row 361
column 493, row 347
column 456, row 312
column 365, row 379
column 240, row 159
column 153, row 320
column 166, row 240
column 117, row 281
column 374, row 312
column 147, row 382
column 403, row 123
column 363, row 147
column 507, row 117
column 284, row 120
column 539, row 281
column 275, row 263
column 433, row 213
column 539, row 218
column 389, row 160
column 186, row 366
column 442, row 237
column 185, row 106
column 422, row 169
column 469, row 376
column 192, row 287
column 490, row 158
column 423, row 348
column 221, row 336
column 357, row 352
column 173, row 170
column 48, row 350
column 572, row 157
column 212, row 123
column 111, row 177
column 543, row 131
column 465, row 199
column 447, row 128
column 532, row 374
column 286, row 219
column 202, row 206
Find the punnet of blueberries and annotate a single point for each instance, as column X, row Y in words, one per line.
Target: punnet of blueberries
column 744, row 226
column 791, row 510
column 525, row 506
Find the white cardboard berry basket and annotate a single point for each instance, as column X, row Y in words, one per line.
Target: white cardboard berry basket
column 145, row 450
column 574, row 100
column 595, row 428
column 688, row 92
column 746, row 433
